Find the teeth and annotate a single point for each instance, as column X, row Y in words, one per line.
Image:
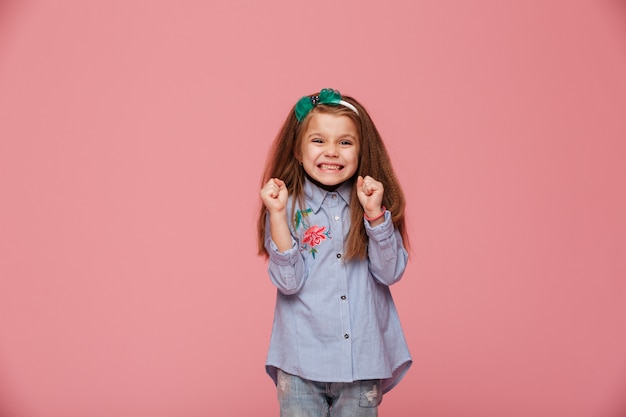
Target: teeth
column 330, row 167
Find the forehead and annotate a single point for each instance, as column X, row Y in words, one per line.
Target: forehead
column 331, row 124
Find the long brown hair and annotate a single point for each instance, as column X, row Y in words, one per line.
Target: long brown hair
column 283, row 163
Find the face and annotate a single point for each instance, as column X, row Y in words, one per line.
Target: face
column 330, row 148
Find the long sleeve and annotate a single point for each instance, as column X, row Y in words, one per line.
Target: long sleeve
column 386, row 253
column 285, row 268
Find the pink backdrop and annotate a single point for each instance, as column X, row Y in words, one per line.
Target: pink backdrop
column 132, row 139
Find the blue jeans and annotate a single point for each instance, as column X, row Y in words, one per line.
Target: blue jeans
column 303, row 398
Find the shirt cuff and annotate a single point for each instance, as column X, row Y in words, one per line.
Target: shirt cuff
column 381, row 231
column 288, row 257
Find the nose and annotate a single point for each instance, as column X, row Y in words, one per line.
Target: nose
column 331, row 150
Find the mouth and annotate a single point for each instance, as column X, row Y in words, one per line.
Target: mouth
column 330, row 167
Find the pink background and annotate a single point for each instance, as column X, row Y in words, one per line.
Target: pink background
column 132, row 139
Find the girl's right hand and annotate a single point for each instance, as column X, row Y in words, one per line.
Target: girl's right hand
column 274, row 195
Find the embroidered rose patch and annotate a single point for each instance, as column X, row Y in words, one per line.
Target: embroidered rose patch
column 313, row 236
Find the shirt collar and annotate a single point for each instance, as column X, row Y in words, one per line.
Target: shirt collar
column 315, row 195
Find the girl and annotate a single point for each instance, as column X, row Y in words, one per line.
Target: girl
column 332, row 227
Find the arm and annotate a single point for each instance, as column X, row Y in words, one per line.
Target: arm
column 385, row 251
column 286, row 269
column 386, row 254
column 285, row 262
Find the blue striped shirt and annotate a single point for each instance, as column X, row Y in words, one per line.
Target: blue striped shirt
column 336, row 321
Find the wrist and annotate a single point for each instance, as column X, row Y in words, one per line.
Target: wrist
column 374, row 216
column 277, row 215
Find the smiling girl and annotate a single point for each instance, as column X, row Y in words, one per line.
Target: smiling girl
column 332, row 227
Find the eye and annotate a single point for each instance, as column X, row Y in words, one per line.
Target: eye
column 345, row 142
column 317, row 140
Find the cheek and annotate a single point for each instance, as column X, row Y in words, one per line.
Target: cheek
column 310, row 154
column 355, row 157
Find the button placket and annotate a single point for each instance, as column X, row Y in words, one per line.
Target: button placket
column 336, row 211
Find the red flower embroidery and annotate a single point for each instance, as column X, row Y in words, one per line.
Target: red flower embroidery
column 314, row 235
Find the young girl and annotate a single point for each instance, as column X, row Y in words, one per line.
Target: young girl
column 332, row 227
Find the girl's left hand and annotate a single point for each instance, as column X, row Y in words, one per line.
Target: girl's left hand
column 370, row 193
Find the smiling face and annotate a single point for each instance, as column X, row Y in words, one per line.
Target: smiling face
column 329, row 149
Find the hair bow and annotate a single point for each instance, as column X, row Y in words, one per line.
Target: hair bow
column 326, row 96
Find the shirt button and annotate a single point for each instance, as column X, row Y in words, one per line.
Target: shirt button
column 346, row 336
column 337, row 218
column 338, row 255
column 343, row 297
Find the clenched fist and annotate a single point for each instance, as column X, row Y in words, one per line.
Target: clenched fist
column 370, row 193
column 274, row 195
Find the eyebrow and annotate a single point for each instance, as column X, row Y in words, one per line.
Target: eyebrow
column 347, row 135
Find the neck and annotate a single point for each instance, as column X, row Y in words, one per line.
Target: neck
column 324, row 186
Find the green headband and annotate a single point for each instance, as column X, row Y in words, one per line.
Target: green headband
column 326, row 96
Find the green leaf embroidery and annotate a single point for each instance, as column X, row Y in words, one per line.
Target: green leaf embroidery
column 300, row 214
